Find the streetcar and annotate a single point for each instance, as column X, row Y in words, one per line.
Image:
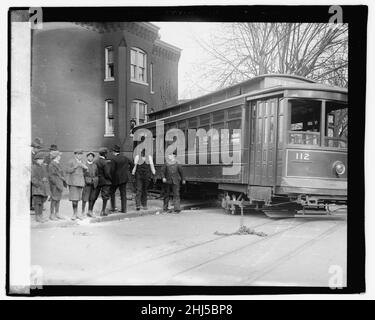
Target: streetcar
column 290, row 135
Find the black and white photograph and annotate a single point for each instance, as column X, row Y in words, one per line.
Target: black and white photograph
column 171, row 150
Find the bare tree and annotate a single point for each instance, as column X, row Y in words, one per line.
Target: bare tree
column 244, row 50
column 167, row 96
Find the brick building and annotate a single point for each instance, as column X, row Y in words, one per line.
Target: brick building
column 90, row 80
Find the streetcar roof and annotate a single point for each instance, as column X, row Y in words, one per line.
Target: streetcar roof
column 248, row 86
column 281, row 84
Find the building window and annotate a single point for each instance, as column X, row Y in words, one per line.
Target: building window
column 139, row 112
column 138, row 63
column 109, row 119
column 109, row 65
column 152, row 78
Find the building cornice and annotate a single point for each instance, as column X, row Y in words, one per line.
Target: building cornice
column 166, row 50
column 145, row 30
column 166, row 45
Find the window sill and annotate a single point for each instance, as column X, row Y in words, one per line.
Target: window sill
column 139, row 82
column 109, row 79
column 108, row 135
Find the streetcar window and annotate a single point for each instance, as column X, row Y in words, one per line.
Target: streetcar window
column 182, row 125
column 215, row 140
column 234, row 113
column 204, row 151
column 236, row 124
column 336, row 129
column 204, row 119
column 218, row 116
column 305, row 122
column 193, row 123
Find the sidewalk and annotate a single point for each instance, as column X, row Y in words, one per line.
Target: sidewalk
column 66, row 210
column 155, row 206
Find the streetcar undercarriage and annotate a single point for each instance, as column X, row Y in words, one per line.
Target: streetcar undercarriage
column 286, row 206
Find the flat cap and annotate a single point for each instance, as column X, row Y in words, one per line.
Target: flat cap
column 53, row 147
column 103, row 150
column 37, row 143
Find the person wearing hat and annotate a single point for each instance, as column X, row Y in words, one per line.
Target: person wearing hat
column 172, row 175
column 57, row 183
column 76, row 181
column 121, row 169
column 36, row 147
column 143, row 170
column 104, row 179
column 91, row 183
column 39, row 184
column 48, row 159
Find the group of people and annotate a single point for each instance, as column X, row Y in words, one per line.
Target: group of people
column 87, row 178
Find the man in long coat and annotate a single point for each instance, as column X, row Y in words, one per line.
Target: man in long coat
column 172, row 175
column 120, row 168
column 104, row 179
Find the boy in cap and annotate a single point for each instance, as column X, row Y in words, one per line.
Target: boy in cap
column 57, row 183
column 91, row 183
column 36, row 146
column 76, row 180
column 104, row 179
column 52, row 149
column 172, row 174
column 39, row 184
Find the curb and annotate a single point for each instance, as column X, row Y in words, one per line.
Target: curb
column 110, row 217
column 123, row 216
column 133, row 214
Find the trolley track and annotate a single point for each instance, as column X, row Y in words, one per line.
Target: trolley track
column 124, row 269
column 186, row 262
column 263, row 239
column 168, row 254
column 251, row 279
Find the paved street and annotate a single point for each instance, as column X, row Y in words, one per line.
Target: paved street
column 170, row 249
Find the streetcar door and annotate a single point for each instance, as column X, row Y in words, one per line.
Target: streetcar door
column 263, row 140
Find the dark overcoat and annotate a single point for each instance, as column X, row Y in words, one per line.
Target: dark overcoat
column 120, row 169
column 39, row 180
column 104, row 172
column 173, row 173
column 56, row 180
